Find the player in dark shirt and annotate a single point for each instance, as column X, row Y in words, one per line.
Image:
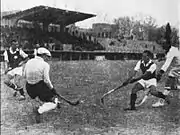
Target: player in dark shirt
column 146, row 80
column 14, row 58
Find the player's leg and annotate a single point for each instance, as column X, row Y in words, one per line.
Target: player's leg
column 19, row 82
column 161, row 101
column 158, row 94
column 47, row 96
column 173, row 78
column 144, row 96
column 40, row 90
column 146, row 84
column 172, row 83
column 151, row 84
column 32, row 91
column 8, row 81
column 137, row 87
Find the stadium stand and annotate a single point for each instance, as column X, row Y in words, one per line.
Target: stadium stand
column 42, row 32
column 58, row 31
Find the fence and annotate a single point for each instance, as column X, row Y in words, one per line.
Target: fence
column 91, row 55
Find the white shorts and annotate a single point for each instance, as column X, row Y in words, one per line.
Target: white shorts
column 16, row 71
column 148, row 83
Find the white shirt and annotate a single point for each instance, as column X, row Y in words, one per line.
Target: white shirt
column 36, row 70
column 151, row 69
column 174, row 53
column 21, row 52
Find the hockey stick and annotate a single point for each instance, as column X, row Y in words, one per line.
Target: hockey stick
column 5, row 72
column 68, row 101
column 109, row 92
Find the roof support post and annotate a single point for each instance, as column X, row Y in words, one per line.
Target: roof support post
column 62, row 26
column 45, row 26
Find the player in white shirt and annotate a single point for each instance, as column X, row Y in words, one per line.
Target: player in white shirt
column 38, row 84
column 14, row 57
column 173, row 81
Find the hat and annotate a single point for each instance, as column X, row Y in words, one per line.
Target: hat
column 37, row 45
column 43, row 50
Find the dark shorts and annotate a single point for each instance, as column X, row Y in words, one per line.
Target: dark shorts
column 40, row 90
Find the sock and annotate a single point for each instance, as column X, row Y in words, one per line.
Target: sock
column 21, row 92
column 133, row 100
column 160, row 95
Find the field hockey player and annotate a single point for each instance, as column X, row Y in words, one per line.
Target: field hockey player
column 146, row 80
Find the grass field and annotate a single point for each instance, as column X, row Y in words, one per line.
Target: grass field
column 89, row 80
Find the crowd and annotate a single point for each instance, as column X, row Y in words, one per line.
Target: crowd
column 53, row 40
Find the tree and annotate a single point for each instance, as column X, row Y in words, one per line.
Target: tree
column 161, row 35
column 137, row 30
column 124, row 25
column 149, row 26
column 141, row 26
column 174, row 37
column 149, row 21
column 168, row 37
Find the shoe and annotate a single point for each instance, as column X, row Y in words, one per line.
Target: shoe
column 167, row 100
column 16, row 90
column 129, row 109
column 160, row 102
column 56, row 101
column 37, row 115
column 166, row 92
column 22, row 98
column 15, row 94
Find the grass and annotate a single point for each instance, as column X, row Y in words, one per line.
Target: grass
column 89, row 80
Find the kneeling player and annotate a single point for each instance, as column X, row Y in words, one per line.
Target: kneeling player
column 38, row 84
column 13, row 57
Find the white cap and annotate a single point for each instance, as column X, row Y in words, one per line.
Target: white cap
column 37, row 45
column 43, row 50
